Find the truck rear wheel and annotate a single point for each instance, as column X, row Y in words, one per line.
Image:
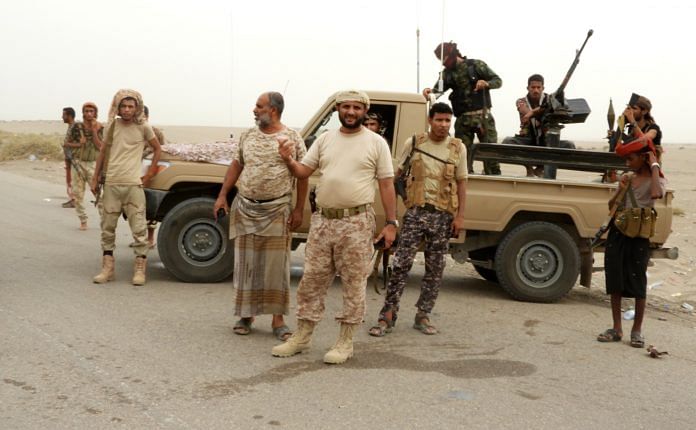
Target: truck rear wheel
column 192, row 245
column 537, row 262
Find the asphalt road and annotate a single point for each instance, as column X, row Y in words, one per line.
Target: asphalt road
column 78, row 355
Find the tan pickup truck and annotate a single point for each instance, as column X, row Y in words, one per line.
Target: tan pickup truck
column 531, row 236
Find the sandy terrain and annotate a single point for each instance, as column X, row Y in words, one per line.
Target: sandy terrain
column 670, row 282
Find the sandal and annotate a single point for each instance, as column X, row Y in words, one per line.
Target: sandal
column 637, row 339
column 422, row 324
column 282, row 333
column 609, row 335
column 243, row 326
column 381, row 330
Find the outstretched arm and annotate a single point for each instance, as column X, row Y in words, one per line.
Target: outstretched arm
column 286, row 150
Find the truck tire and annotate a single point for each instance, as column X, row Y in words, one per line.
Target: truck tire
column 537, row 262
column 483, row 255
column 192, row 245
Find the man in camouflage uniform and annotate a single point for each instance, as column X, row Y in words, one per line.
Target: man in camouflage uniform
column 84, row 148
column 470, row 81
column 436, row 191
column 341, row 232
column 262, row 216
column 68, row 118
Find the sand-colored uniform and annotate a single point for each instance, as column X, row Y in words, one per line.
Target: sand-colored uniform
column 123, row 189
column 342, row 230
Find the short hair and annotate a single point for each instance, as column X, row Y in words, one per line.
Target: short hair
column 275, row 99
column 70, row 111
column 146, row 110
column 439, row 108
column 536, row 78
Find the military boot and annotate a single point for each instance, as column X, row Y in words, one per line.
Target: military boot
column 107, row 271
column 300, row 341
column 343, row 348
column 139, row 271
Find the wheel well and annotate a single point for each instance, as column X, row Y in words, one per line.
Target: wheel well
column 562, row 220
column 188, row 190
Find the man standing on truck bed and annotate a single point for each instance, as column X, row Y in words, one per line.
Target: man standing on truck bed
column 261, row 216
column 436, row 191
column 120, row 158
column 471, row 81
column 342, row 230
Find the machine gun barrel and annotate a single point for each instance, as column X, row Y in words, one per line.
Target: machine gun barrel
column 561, row 88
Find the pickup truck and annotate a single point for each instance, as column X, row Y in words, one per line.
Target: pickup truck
column 530, row 235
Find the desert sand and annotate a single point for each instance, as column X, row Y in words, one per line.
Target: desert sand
column 670, row 282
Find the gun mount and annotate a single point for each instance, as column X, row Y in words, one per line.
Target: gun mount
column 558, row 110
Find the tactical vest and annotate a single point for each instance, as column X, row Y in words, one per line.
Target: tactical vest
column 465, row 99
column 446, row 199
column 88, row 152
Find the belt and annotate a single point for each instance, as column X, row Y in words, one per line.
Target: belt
column 431, row 208
column 261, row 201
column 342, row 213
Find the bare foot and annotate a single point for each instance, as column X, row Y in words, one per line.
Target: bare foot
column 83, row 226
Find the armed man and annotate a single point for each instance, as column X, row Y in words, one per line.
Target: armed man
column 470, row 81
column 532, row 133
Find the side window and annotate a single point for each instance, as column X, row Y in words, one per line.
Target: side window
column 330, row 122
column 388, row 115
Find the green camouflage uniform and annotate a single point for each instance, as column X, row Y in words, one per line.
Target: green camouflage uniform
column 83, row 168
column 468, row 104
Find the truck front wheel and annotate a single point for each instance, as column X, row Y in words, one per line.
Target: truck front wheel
column 192, row 245
column 537, row 262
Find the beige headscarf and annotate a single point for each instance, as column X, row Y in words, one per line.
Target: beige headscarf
column 139, row 117
column 92, row 105
column 353, row 96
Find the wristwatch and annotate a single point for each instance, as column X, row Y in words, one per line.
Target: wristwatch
column 394, row 222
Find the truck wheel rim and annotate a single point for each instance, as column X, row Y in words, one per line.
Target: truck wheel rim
column 201, row 241
column 539, row 264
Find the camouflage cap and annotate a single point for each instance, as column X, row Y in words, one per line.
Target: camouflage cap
column 118, row 98
column 90, row 104
column 353, row 96
column 446, row 49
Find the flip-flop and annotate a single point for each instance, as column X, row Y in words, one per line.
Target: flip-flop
column 423, row 325
column 242, row 327
column 637, row 339
column 282, row 333
column 381, row 330
column 609, row 335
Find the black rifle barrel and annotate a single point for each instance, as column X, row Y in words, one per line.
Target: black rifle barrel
column 574, row 65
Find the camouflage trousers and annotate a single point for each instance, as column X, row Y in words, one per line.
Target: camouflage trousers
column 129, row 199
column 340, row 247
column 420, row 225
column 468, row 126
column 79, row 185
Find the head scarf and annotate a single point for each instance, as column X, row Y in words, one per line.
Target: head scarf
column 139, row 116
column 353, row 96
column 92, row 105
column 643, row 103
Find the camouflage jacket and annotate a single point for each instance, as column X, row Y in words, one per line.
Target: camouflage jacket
column 462, row 80
column 88, row 151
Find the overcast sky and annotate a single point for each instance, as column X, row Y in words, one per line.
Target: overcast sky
column 205, row 62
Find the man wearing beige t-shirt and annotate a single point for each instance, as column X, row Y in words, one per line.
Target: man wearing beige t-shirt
column 120, row 159
column 262, row 217
column 342, row 230
column 435, row 193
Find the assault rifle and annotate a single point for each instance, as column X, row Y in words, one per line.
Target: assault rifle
column 400, row 181
column 558, row 110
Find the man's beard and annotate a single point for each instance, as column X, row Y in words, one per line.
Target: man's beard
column 263, row 121
column 358, row 122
